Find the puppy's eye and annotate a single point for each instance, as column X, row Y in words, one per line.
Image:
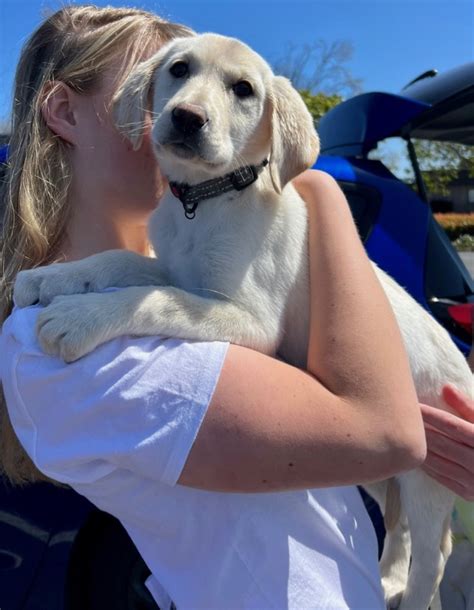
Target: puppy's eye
column 242, row 89
column 179, row 69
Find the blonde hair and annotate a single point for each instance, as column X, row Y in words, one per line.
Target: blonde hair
column 75, row 46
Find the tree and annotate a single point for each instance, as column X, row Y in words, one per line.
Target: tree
column 440, row 163
column 319, row 67
column 319, row 103
column 319, row 71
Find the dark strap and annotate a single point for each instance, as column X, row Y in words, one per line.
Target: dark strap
column 239, row 179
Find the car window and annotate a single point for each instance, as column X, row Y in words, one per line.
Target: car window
column 364, row 202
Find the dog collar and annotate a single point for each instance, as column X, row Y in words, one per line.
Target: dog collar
column 238, row 180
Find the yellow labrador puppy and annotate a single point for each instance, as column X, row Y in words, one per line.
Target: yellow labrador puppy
column 230, row 136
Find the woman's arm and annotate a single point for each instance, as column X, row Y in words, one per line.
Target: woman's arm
column 272, row 427
column 450, row 438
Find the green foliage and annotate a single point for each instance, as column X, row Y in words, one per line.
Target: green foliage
column 319, row 103
column 464, row 243
column 440, row 163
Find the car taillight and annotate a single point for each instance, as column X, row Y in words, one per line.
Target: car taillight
column 462, row 314
column 455, row 316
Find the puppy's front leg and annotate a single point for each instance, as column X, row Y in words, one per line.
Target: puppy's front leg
column 113, row 268
column 72, row 326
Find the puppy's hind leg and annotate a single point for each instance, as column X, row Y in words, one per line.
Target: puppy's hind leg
column 428, row 507
column 395, row 560
column 436, row 603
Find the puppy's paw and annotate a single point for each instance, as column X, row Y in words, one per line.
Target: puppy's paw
column 27, row 288
column 393, row 594
column 43, row 284
column 73, row 326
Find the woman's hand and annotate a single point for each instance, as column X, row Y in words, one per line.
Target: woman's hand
column 450, row 440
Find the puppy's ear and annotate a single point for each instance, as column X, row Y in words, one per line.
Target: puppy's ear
column 132, row 99
column 295, row 143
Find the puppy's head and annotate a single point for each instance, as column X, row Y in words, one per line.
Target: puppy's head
column 215, row 106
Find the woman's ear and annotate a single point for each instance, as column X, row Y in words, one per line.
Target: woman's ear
column 58, row 110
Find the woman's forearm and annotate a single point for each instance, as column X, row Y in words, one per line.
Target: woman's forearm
column 355, row 346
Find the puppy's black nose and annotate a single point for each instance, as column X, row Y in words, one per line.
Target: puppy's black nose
column 188, row 118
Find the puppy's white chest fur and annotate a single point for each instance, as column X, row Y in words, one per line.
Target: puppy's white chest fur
column 249, row 249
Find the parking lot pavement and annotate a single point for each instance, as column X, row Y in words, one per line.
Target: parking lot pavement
column 468, row 259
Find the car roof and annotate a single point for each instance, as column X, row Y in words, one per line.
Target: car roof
column 433, row 106
column 4, row 138
column 434, row 88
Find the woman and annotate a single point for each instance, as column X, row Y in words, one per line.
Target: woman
column 155, row 431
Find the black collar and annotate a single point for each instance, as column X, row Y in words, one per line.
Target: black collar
column 239, row 179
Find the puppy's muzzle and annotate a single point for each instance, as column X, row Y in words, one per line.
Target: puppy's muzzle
column 188, row 119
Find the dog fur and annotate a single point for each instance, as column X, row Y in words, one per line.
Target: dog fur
column 238, row 271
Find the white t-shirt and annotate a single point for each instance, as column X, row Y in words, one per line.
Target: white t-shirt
column 118, row 425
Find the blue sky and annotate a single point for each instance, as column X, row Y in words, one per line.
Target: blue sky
column 394, row 40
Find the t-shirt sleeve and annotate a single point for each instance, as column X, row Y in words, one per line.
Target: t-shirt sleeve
column 134, row 403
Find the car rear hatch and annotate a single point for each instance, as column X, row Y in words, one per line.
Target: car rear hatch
column 435, row 107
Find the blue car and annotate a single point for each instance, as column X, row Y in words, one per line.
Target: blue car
column 58, row 552
column 395, row 222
